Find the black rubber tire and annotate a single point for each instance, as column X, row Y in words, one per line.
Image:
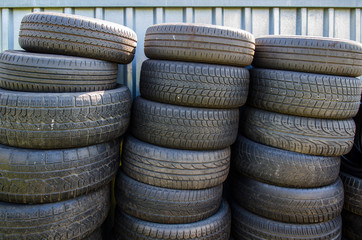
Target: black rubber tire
column 164, row 205
column 173, row 168
column 305, row 94
column 216, row 227
column 42, row 176
column 352, row 193
column 35, row 72
column 314, row 136
column 72, row 219
column 183, row 127
column 96, row 235
column 75, row 35
column 352, row 226
column 248, row 226
column 290, row 205
column 63, row 120
column 309, row 54
column 194, row 84
column 283, row 168
column 193, row 42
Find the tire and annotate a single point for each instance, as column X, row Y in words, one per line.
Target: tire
column 248, row 226
column 352, row 166
column 72, row 219
column 352, row 193
column 352, row 226
column 181, row 127
column 194, row 84
column 34, row 72
column 192, row 42
column 43, row 176
column 305, row 94
column 216, row 227
column 75, row 35
column 96, row 235
column 289, row 205
column 314, row 136
column 63, row 120
column 309, row 54
column 283, row 168
column 172, row 168
column 163, row 205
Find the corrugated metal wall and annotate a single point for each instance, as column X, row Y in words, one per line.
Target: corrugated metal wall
column 343, row 21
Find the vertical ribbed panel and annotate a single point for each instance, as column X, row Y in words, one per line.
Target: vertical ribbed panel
column 330, row 22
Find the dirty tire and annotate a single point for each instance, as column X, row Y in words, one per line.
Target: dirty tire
column 249, row 226
column 75, row 35
column 173, row 168
column 215, row 227
column 309, row 54
column 72, row 219
column 314, row 136
column 192, row 42
column 42, row 176
column 290, row 205
column 34, row 72
column 352, row 193
column 305, row 94
column 183, row 127
column 283, row 168
column 352, row 225
column 63, row 120
column 194, row 84
column 163, row 205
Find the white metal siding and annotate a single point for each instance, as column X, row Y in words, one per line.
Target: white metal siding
column 343, row 21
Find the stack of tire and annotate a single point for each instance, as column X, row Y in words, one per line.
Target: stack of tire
column 296, row 125
column 61, row 119
column 178, row 156
column 351, row 175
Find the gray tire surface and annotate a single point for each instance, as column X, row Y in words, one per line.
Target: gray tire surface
column 305, row 94
column 283, row 168
column 173, row 168
column 309, row 54
column 72, row 219
column 183, row 127
column 35, row 72
column 63, row 120
column 42, row 176
column 290, row 205
column 352, row 193
column 248, row 226
column 215, row 227
column 163, row 205
column 75, row 35
column 315, row 136
column 194, row 84
column 200, row 43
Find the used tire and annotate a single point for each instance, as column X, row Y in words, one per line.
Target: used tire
column 283, row 168
column 42, row 176
column 96, row 235
column 215, row 227
column 183, row 127
column 75, row 35
column 63, row 120
column 194, row 84
column 315, row 136
column 200, row 43
column 352, row 226
column 72, row 219
column 34, row 72
column 249, row 226
column 352, row 193
column 305, row 94
column 309, row 54
column 163, row 205
column 173, row 168
column 290, row 205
